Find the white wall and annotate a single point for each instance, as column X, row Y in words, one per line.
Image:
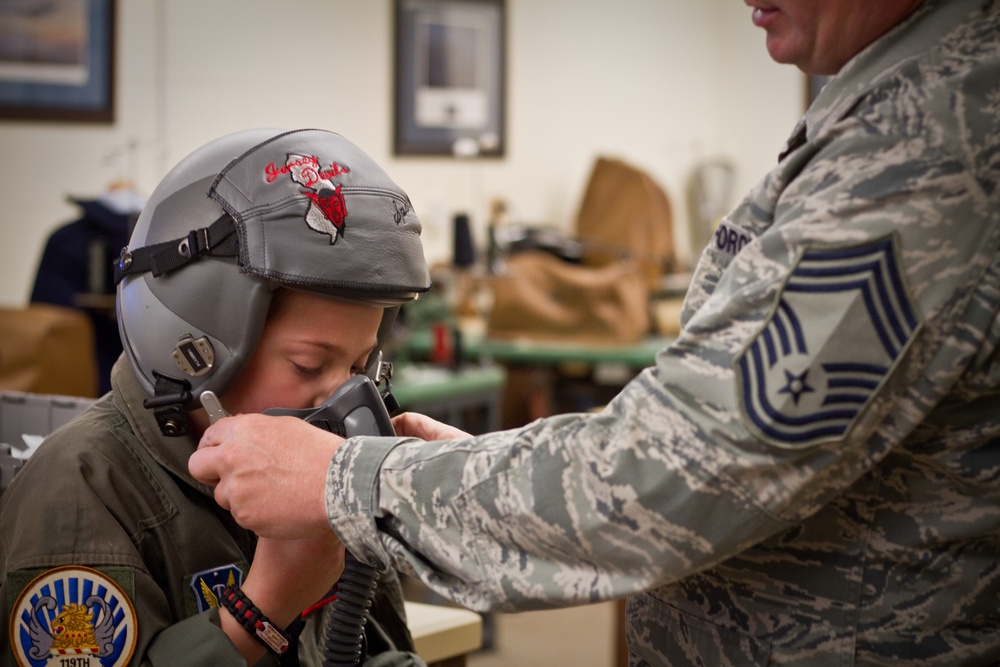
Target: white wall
column 660, row 83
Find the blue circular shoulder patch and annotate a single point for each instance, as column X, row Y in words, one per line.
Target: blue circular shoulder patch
column 73, row 616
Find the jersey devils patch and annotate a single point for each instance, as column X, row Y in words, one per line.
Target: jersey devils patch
column 841, row 322
column 73, row 616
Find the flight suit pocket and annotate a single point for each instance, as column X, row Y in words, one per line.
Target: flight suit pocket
column 659, row 634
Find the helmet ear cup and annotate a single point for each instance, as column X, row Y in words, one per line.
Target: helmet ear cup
column 207, row 300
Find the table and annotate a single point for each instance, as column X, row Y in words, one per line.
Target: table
column 443, row 636
column 526, row 351
column 468, row 397
column 544, row 378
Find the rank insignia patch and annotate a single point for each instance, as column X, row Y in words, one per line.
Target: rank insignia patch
column 842, row 320
column 73, row 616
column 207, row 585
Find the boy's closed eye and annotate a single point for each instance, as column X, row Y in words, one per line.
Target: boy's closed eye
column 309, row 371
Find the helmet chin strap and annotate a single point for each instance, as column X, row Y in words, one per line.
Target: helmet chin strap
column 169, row 405
column 218, row 239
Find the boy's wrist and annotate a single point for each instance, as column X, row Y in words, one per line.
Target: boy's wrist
column 254, row 621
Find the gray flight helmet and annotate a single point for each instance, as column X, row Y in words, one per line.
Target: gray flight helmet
column 240, row 217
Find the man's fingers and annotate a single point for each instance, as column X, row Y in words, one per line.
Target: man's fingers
column 215, row 433
column 204, row 464
column 222, row 495
column 207, row 463
column 416, row 425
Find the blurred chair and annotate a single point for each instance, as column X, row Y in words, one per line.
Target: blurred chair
column 75, row 270
column 25, row 420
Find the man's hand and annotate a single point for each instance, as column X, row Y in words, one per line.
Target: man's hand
column 415, row 425
column 270, row 472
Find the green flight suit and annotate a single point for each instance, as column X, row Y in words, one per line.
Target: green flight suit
column 111, row 497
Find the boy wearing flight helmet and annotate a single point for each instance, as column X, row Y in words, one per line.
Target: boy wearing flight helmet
column 264, row 268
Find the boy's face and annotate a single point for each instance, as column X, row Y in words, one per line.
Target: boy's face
column 310, row 346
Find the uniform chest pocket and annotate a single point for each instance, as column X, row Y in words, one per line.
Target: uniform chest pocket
column 661, row 634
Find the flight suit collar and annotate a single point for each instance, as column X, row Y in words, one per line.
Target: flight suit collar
column 171, row 453
column 885, row 56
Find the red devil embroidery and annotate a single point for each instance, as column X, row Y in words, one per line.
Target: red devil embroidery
column 327, row 210
column 331, row 205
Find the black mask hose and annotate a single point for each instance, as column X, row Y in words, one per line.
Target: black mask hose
column 345, row 634
column 356, row 408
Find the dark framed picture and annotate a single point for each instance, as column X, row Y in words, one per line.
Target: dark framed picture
column 57, row 60
column 449, row 78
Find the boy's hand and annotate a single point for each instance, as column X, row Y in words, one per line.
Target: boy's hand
column 286, row 577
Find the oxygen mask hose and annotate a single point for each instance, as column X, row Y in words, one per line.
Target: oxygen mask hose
column 345, row 636
column 356, row 408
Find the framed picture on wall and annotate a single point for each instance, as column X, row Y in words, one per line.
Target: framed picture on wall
column 57, row 60
column 449, row 77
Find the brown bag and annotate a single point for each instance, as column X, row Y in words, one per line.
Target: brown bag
column 541, row 297
column 625, row 214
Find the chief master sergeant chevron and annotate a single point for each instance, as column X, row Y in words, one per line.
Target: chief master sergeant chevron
column 810, row 475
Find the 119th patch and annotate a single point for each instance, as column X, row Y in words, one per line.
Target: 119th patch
column 841, row 321
column 72, row 616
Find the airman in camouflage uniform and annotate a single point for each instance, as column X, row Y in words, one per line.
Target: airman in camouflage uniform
column 810, row 475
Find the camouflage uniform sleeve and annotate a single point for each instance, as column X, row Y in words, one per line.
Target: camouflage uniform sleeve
column 550, row 513
column 864, row 283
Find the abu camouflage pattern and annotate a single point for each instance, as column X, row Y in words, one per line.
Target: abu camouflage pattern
column 810, row 475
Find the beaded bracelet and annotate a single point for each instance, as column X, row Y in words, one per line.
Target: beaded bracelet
column 253, row 621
